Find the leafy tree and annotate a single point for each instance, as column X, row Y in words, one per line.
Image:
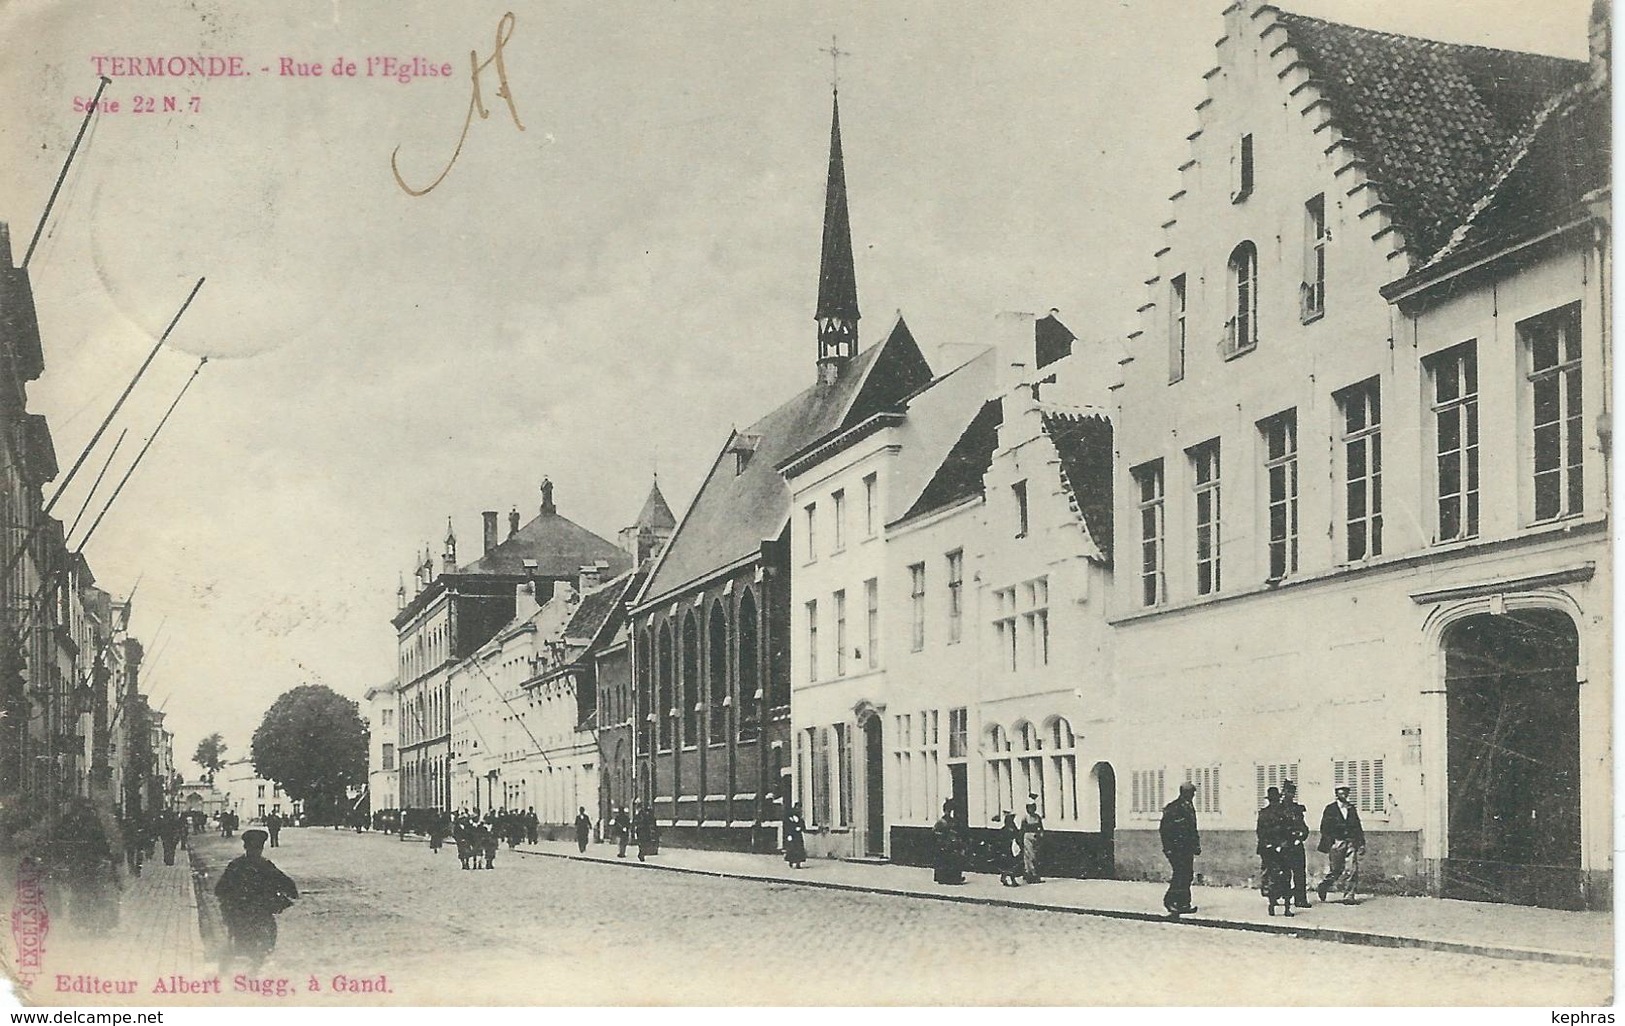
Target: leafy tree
column 314, row 743
column 211, row 755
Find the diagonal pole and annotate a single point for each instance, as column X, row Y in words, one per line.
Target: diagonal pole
column 96, row 484
column 95, row 106
column 119, row 405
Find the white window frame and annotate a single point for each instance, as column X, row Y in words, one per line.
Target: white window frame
column 1453, row 379
column 1564, row 323
column 1364, row 438
column 1153, row 510
column 1279, row 436
column 1207, row 509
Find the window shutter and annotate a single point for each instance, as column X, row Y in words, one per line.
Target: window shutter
column 1379, row 790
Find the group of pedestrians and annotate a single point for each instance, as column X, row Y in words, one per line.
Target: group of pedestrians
column 1016, row 848
column 1282, row 831
column 636, row 827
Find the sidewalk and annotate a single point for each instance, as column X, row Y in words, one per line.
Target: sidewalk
column 1497, row 931
column 157, row 935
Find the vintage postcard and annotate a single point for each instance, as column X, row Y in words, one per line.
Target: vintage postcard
column 717, row 503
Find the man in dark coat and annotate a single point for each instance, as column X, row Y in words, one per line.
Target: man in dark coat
column 1181, row 843
column 1297, row 858
column 273, row 826
column 949, row 864
column 252, row 891
column 1340, row 834
column 170, row 832
column 583, row 828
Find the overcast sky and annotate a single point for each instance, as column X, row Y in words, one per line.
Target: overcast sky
column 603, row 293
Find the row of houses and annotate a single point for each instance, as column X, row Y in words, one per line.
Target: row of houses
column 74, row 723
column 1336, row 513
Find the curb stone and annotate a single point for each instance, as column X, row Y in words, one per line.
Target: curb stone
column 1335, row 936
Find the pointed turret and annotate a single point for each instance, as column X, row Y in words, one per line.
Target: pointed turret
column 645, row 538
column 837, row 313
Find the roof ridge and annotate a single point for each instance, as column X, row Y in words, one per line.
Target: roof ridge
column 1281, row 12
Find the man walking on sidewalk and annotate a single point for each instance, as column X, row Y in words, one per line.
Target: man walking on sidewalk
column 623, row 831
column 1181, row 843
column 1297, row 857
column 583, row 828
column 1340, row 835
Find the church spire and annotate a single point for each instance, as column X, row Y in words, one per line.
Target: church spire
column 837, row 313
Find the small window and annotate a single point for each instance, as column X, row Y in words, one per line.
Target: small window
column 1552, row 341
column 1176, row 329
column 839, row 529
column 870, row 513
column 1146, row 792
column 1241, row 329
column 812, row 531
column 1455, row 441
column 1364, row 779
column 1242, row 169
column 1280, row 436
column 958, row 725
column 1312, row 295
column 916, row 574
column 840, row 633
column 1272, row 774
column 1149, row 485
column 1205, row 482
column 956, row 595
column 812, row 640
column 1361, row 407
column 871, row 598
column 1019, row 491
column 1206, row 779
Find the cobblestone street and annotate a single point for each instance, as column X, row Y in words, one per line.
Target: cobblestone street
column 542, row 930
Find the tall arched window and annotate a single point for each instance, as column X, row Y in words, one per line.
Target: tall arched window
column 666, row 704
column 1001, row 792
column 749, row 717
column 690, row 690
column 645, row 692
column 1063, row 760
column 1030, row 764
column 716, row 652
column 1241, row 330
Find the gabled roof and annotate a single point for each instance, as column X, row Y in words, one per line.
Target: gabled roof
column 1563, row 156
column 597, row 609
column 735, row 512
column 959, row 476
column 1431, row 119
column 559, row 547
column 1084, row 443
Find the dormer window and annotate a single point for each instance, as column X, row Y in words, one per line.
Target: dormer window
column 743, row 448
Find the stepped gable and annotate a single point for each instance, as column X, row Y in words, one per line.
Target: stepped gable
column 1431, row 119
column 737, row 509
column 1084, row 443
column 559, row 546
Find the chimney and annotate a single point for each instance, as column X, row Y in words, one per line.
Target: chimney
column 490, row 517
column 590, row 577
column 1599, row 35
column 513, row 522
column 547, row 498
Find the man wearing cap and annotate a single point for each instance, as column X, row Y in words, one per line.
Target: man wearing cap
column 1032, row 831
column 1297, row 859
column 252, row 891
column 1181, row 844
column 1340, row 834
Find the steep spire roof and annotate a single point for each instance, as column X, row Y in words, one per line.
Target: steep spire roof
column 656, row 514
column 837, row 280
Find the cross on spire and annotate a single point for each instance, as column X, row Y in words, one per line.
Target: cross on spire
column 835, row 55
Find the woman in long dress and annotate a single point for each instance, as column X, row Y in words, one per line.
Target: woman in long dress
column 795, row 838
column 949, row 867
column 1011, row 852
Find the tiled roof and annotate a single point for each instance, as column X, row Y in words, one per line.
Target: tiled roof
column 960, row 474
column 559, row 546
column 655, row 513
column 1565, row 155
column 734, row 513
column 598, row 607
column 1084, row 443
column 1431, row 119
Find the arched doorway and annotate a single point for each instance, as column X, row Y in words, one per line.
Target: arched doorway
column 1105, row 781
column 1512, row 719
